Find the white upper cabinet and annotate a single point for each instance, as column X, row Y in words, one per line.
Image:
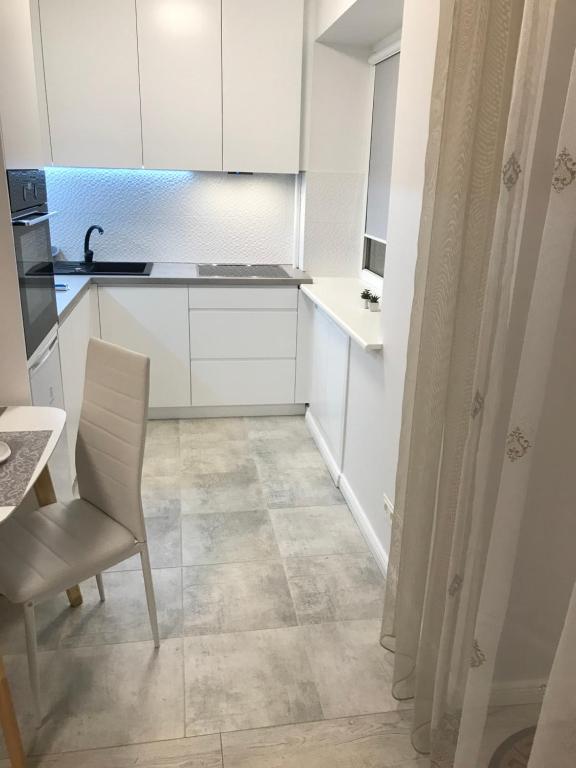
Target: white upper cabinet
column 91, row 70
column 262, row 77
column 179, row 46
column 22, row 108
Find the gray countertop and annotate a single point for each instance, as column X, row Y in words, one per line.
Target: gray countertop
column 162, row 273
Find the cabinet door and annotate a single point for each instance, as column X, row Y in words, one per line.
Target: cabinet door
column 154, row 321
column 261, row 76
column 91, row 71
column 24, row 125
column 179, row 48
column 73, row 336
column 329, row 377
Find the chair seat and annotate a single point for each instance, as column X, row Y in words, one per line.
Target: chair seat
column 47, row 550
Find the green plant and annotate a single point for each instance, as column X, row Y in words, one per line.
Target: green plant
column 374, row 299
column 365, row 294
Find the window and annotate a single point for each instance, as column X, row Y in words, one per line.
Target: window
column 381, row 147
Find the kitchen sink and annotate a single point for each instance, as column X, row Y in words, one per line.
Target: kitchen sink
column 94, row 268
column 241, row 270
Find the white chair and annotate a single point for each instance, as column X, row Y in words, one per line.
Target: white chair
column 45, row 552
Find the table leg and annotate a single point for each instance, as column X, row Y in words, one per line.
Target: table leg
column 9, row 722
column 46, row 495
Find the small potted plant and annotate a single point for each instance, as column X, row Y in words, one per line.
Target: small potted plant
column 366, row 296
column 374, row 303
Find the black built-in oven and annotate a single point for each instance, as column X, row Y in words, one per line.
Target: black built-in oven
column 30, row 224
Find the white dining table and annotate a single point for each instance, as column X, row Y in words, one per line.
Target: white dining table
column 29, row 418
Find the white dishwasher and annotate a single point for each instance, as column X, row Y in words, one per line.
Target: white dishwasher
column 46, row 387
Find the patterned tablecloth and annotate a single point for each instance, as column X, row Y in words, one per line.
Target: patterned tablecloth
column 16, row 471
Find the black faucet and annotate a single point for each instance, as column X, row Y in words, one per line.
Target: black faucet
column 88, row 254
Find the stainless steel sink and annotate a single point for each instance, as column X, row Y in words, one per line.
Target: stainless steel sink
column 241, row 270
column 94, row 268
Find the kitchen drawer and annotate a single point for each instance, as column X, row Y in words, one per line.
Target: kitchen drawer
column 243, row 382
column 216, row 334
column 239, row 297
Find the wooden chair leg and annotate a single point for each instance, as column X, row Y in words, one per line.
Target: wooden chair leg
column 45, row 495
column 9, row 723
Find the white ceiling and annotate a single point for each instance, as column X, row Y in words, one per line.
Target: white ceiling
column 365, row 24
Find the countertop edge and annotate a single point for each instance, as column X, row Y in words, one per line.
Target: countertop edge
column 359, row 339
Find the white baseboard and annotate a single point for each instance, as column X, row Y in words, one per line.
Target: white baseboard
column 322, row 446
column 380, row 554
column 223, row 411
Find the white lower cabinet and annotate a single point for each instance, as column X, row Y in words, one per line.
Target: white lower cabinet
column 152, row 320
column 243, row 348
column 242, row 382
column 73, row 336
column 217, row 334
column 323, row 357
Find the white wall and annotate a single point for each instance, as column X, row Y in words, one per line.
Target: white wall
column 337, row 110
column 419, row 37
column 178, row 216
column 14, row 386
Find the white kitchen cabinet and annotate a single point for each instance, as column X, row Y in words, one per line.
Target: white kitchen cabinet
column 22, row 99
column 216, row 334
column 261, row 78
column 242, row 382
column 91, row 71
column 152, row 320
column 324, row 378
column 73, row 336
column 179, row 48
column 243, row 297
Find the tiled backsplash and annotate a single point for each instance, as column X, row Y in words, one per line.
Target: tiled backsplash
column 334, row 223
column 174, row 215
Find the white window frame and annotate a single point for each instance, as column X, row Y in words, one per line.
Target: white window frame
column 388, row 47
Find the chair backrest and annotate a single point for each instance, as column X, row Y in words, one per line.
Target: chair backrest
column 112, row 432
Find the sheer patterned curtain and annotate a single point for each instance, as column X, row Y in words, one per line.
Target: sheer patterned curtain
column 478, row 606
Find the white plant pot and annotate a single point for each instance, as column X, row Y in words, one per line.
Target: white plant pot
column 374, row 307
column 366, row 303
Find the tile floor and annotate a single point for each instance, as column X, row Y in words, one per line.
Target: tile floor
column 269, row 605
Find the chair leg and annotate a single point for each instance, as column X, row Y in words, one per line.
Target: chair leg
column 100, row 583
column 151, row 600
column 32, row 649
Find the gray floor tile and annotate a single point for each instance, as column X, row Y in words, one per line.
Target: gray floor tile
column 248, row 680
column 227, row 537
column 317, row 531
column 201, row 432
column 285, row 453
column 164, row 543
column 160, row 494
column 161, row 459
column 51, row 615
column 238, row 491
column 162, row 431
column 199, row 752
column 123, row 617
column 353, row 673
column 304, row 487
column 215, row 458
column 236, row 597
column 371, row 741
column 102, row 696
column 335, row 588
column 276, row 427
